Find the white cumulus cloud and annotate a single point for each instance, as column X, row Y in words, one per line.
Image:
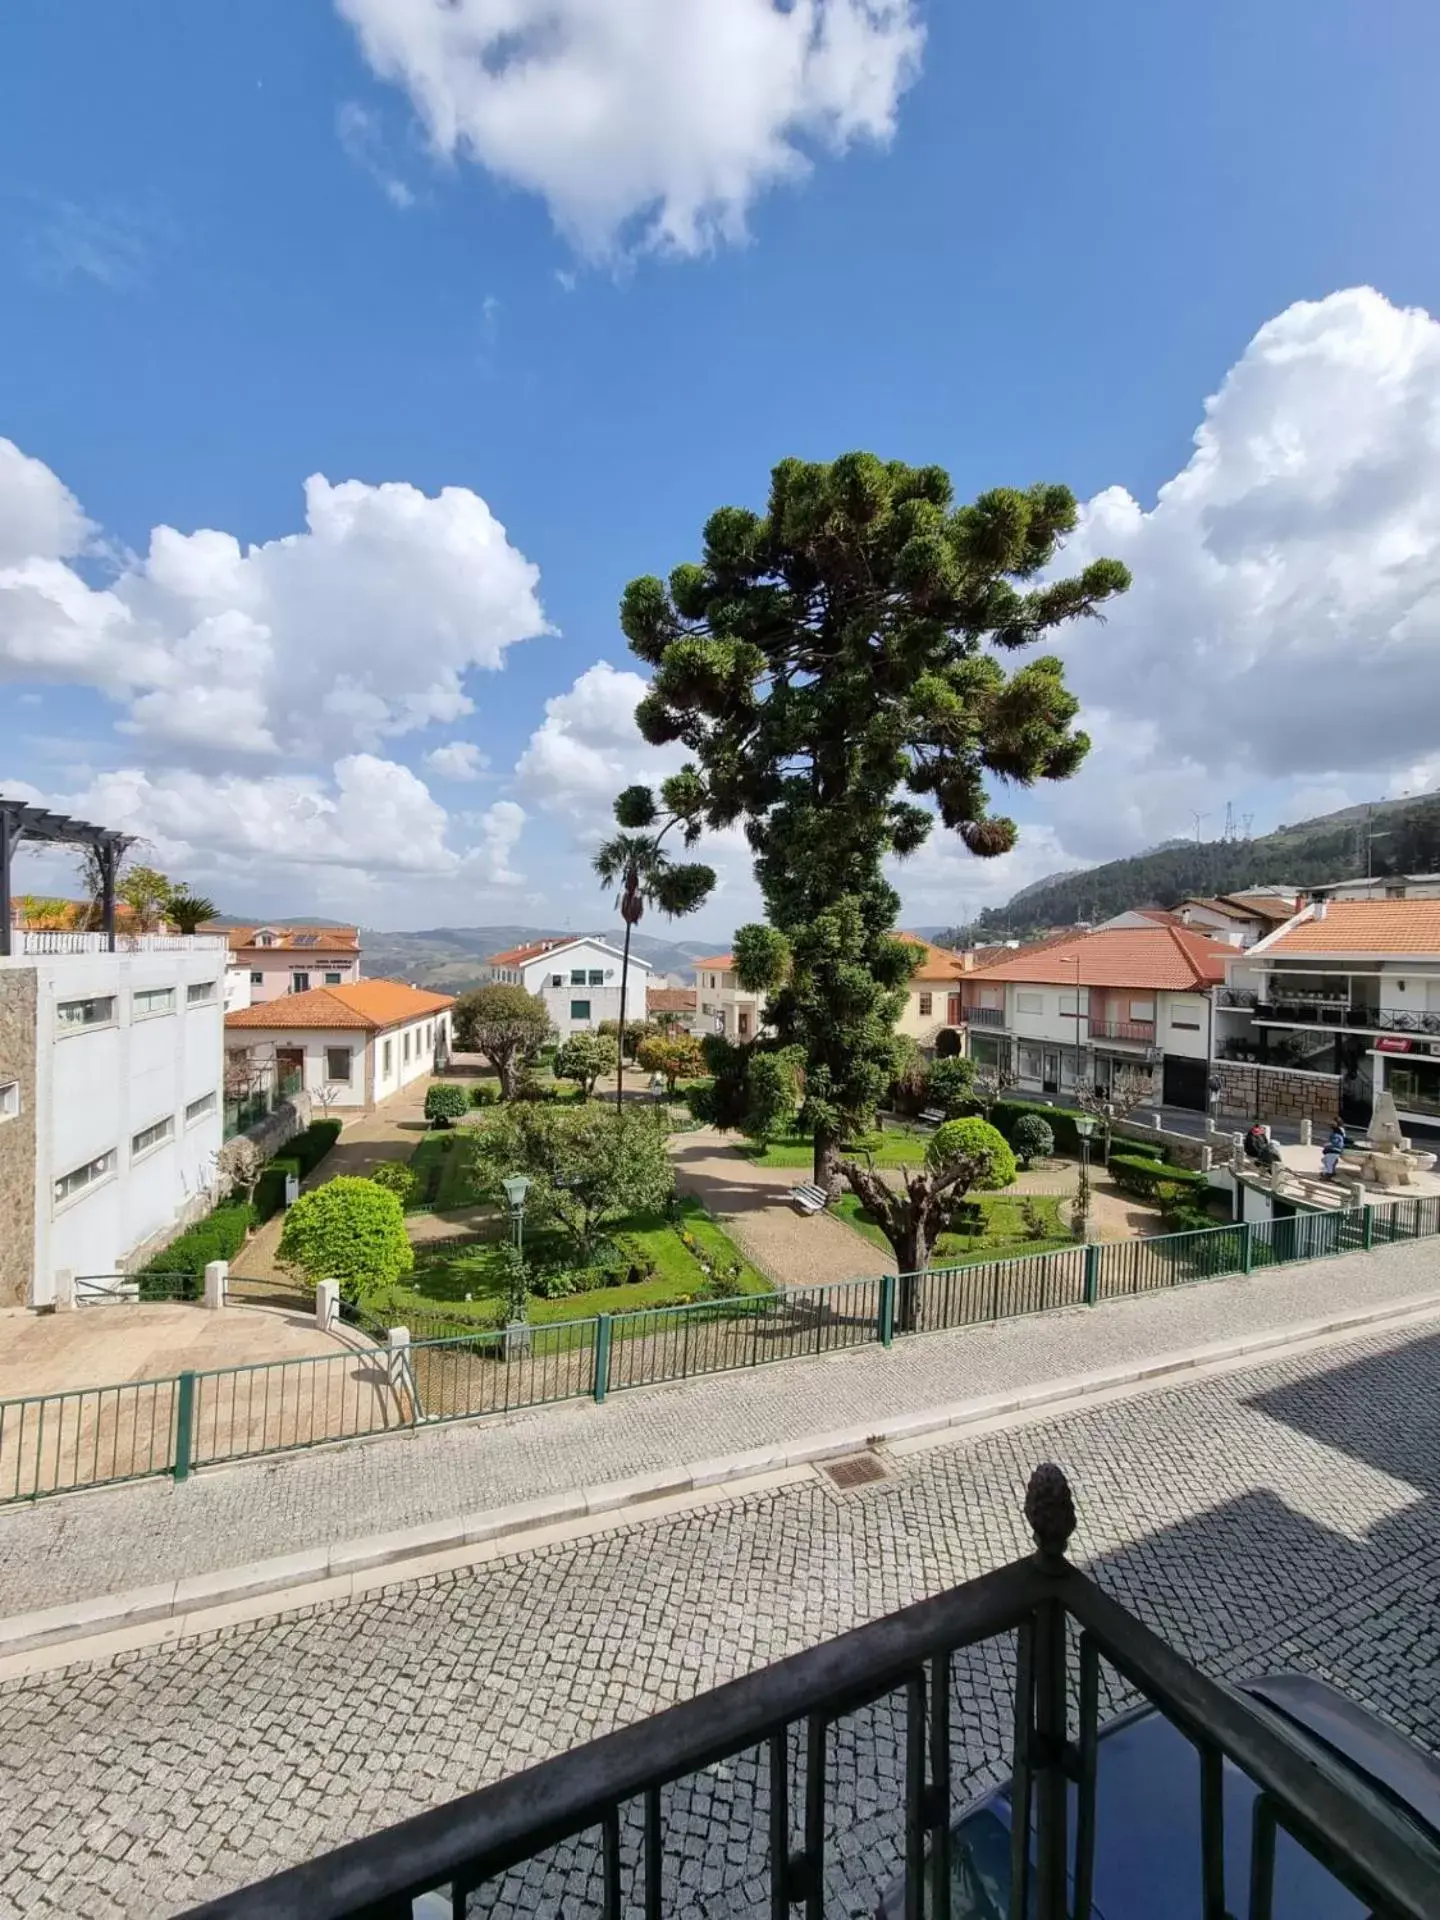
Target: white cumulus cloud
column 588, row 747
column 1285, row 616
column 359, row 629
column 457, row 760
column 649, row 123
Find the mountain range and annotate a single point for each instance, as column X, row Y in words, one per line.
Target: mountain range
column 1382, row 836
column 452, row 959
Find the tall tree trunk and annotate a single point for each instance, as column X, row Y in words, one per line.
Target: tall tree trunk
column 827, row 1163
column 625, row 912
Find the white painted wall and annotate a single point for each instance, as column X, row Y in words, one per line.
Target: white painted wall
column 98, row 1087
column 375, row 1071
column 1183, row 1024
column 602, row 995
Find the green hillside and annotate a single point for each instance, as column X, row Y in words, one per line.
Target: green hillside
column 1403, row 836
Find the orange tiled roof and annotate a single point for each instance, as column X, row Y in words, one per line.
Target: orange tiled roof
column 717, row 963
column 939, row 963
column 1363, row 926
column 290, row 939
column 1158, row 956
column 372, row 1004
column 532, row 950
column 670, row 999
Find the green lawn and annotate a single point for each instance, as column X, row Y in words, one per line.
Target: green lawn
column 1004, row 1237
column 894, row 1147
column 442, row 1280
column 445, row 1162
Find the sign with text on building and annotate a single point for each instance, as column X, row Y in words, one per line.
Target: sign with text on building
column 1392, row 1043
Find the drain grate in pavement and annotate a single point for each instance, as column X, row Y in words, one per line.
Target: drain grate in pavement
column 855, row 1470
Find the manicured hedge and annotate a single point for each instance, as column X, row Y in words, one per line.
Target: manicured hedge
column 1060, row 1120
column 311, row 1146
column 219, row 1236
column 1136, row 1173
column 270, row 1191
column 1146, row 1149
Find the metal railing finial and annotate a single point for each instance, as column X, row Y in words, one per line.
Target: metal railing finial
column 1050, row 1510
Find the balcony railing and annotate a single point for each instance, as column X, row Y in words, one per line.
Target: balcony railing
column 1282, row 1010
column 34, row 940
column 615, row 1787
column 1134, row 1033
column 983, row 1016
column 1239, row 997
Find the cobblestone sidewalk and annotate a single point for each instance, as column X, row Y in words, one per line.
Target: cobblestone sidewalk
column 1263, row 1521
column 116, row 1538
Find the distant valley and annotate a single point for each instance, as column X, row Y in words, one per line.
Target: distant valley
column 452, row 959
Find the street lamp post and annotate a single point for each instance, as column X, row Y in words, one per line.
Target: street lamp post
column 516, row 1186
column 1085, row 1125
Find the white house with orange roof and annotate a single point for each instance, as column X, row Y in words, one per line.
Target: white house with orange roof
column 578, row 978
column 268, row 961
column 1348, row 987
column 722, row 1004
column 1076, row 1011
column 353, row 1045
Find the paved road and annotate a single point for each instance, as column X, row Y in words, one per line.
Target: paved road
column 121, row 1537
column 1262, row 1520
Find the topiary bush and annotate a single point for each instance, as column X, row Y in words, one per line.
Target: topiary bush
column 219, row 1236
column 1060, row 1120
column 349, row 1230
column 974, row 1140
column 310, row 1147
column 446, row 1103
column 397, row 1178
column 270, row 1188
column 484, row 1095
column 1032, row 1139
column 1135, row 1173
column 948, row 1084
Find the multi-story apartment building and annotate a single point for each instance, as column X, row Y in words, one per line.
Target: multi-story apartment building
column 578, row 979
column 111, row 1070
column 266, row 962
column 1349, row 986
column 1075, row 1012
column 723, row 1005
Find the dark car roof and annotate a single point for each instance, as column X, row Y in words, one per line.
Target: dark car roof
column 1355, row 1733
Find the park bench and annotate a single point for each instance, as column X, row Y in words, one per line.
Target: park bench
column 932, row 1117
column 809, row 1199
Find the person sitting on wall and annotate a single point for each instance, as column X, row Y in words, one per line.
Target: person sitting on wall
column 1260, row 1147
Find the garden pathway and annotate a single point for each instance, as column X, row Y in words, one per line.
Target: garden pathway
column 753, row 1205
column 391, row 1132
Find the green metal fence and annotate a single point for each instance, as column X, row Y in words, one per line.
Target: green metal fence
column 56, row 1442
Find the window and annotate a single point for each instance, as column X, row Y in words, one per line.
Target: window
column 577, row 976
column 151, row 1136
column 387, row 1058
column 72, row 1014
column 333, row 979
column 198, row 1109
column 152, row 1000
column 579, row 1009
column 1142, row 1010
column 405, row 1045
column 991, row 997
column 198, row 992
column 9, row 1099
column 299, row 983
column 1031, row 1063
column 1030, row 1003
column 927, row 1002
column 597, row 978
column 557, row 979
column 257, row 978
column 337, row 1064
column 69, row 1184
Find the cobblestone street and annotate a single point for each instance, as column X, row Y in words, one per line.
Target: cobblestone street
column 1281, row 1517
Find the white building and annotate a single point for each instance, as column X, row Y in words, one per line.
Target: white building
column 1072, row 1014
column 111, row 1069
column 1349, row 986
column 348, row 1046
column 579, row 981
column 724, row 1005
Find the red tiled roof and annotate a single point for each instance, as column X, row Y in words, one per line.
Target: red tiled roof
column 1362, row 926
column 290, row 939
column 1157, row 956
column 717, row 963
column 670, row 999
column 532, row 950
column 939, row 963
column 372, row 1004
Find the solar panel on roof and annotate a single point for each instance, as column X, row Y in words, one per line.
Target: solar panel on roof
column 307, row 940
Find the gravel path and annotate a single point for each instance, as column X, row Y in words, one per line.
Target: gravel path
column 793, row 1248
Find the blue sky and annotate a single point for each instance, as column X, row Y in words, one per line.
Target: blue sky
column 594, row 284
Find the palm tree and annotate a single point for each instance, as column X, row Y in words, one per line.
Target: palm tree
column 187, row 910
column 647, row 876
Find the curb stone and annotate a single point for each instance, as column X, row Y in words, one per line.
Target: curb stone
column 205, row 1602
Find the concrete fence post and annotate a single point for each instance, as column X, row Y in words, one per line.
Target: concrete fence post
column 64, row 1289
column 327, row 1304
column 397, row 1343
column 1307, row 1131
column 217, row 1274
column 1157, row 1121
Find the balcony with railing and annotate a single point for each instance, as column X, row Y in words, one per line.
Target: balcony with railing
column 1132, row 1033
column 983, row 1016
column 35, row 942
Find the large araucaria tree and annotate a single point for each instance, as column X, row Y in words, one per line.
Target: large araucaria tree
column 836, row 668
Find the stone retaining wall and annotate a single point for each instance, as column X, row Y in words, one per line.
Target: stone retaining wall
column 1275, row 1093
column 17, row 1136
column 292, row 1116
